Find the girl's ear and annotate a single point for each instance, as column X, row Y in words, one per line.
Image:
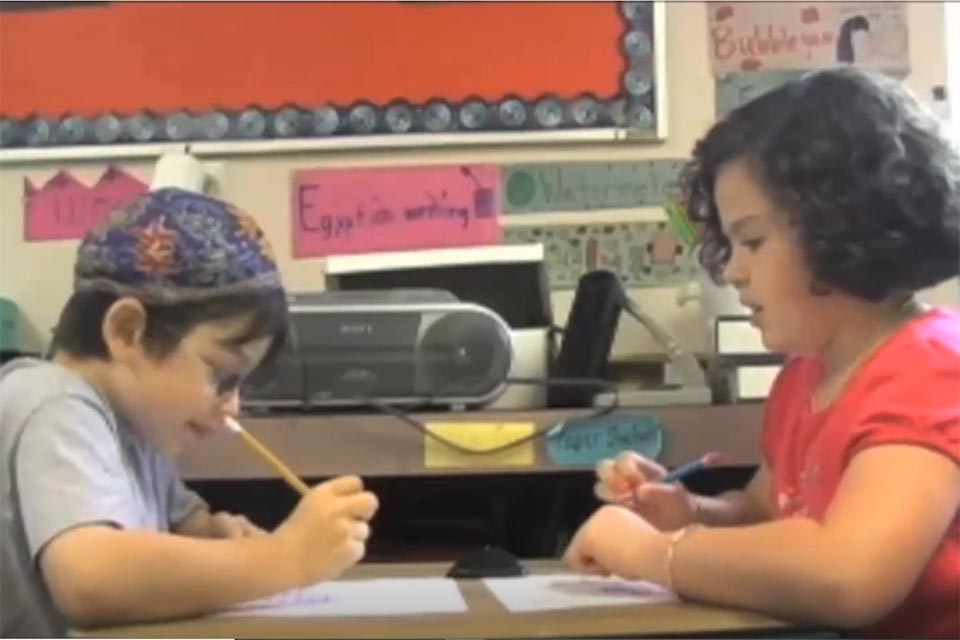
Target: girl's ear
column 123, row 328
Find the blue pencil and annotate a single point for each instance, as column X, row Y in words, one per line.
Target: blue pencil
column 682, row 472
column 685, row 470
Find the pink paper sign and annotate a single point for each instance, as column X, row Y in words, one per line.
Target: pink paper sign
column 65, row 208
column 344, row 211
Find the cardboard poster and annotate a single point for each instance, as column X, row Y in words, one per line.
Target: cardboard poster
column 65, row 208
column 758, row 36
column 344, row 211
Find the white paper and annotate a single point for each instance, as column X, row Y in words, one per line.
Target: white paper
column 375, row 597
column 571, row 591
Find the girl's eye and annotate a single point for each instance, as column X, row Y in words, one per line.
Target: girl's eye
column 753, row 245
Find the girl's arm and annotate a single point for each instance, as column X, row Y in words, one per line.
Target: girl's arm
column 890, row 513
column 746, row 506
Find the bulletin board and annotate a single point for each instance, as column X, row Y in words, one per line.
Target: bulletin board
column 117, row 72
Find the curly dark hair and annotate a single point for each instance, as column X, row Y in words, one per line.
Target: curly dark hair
column 860, row 168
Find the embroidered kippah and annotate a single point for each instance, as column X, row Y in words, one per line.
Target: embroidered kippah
column 172, row 245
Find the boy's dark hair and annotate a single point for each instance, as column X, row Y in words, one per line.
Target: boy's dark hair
column 79, row 330
column 861, row 169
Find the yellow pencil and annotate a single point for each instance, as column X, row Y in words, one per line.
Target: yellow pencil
column 299, row 485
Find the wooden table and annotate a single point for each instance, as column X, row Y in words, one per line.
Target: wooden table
column 378, row 445
column 485, row 618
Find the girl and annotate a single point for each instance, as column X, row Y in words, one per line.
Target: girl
column 826, row 203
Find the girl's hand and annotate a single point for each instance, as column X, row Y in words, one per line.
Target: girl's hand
column 633, row 481
column 616, row 541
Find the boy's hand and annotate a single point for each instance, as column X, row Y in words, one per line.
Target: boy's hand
column 327, row 532
column 231, row 525
column 633, row 481
column 203, row 524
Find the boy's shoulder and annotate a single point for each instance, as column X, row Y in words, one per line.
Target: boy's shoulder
column 30, row 377
column 28, row 385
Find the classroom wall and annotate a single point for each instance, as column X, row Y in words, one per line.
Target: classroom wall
column 260, row 184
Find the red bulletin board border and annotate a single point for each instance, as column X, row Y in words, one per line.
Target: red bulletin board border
column 115, row 72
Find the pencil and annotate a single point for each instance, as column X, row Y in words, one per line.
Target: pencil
column 681, row 223
column 690, row 468
column 680, row 473
column 298, row 485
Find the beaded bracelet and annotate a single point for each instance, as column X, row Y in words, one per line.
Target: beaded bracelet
column 671, row 550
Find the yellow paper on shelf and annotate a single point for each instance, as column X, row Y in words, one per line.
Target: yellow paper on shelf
column 478, row 436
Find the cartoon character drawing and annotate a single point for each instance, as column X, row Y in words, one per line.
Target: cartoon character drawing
column 854, row 40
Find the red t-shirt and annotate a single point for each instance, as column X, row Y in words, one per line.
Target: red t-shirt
column 907, row 392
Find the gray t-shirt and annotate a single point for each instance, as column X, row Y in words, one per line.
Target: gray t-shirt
column 68, row 462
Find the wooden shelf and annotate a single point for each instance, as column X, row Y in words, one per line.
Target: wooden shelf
column 378, row 445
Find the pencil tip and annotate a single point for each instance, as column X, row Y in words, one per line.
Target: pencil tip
column 232, row 425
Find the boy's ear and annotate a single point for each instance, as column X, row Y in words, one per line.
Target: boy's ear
column 123, row 328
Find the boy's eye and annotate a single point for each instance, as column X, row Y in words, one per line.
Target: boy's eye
column 224, row 382
column 227, row 383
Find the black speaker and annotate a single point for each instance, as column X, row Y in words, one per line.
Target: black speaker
column 587, row 338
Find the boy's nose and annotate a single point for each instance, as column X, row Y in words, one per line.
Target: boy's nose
column 230, row 404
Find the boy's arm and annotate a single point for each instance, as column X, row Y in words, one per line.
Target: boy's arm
column 191, row 516
column 747, row 506
column 83, row 523
column 198, row 524
column 101, row 574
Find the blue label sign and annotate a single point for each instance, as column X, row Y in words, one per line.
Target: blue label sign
column 584, row 442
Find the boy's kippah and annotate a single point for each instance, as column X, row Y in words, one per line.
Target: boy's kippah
column 172, row 246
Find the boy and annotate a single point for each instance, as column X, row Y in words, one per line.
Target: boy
column 176, row 299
